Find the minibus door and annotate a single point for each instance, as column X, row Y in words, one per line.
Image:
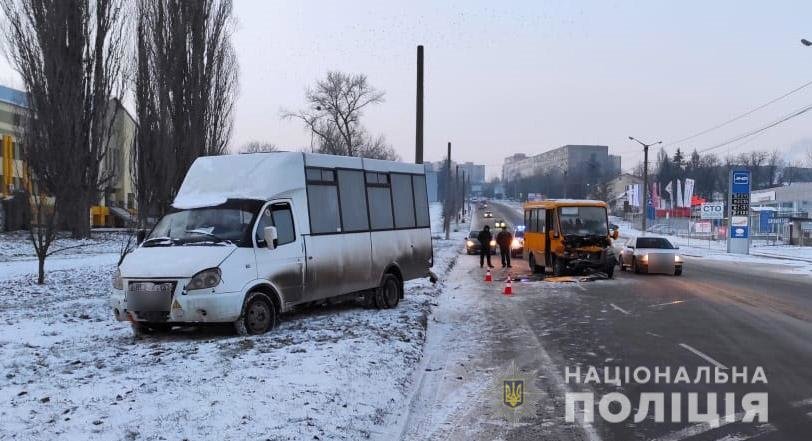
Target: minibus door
column 283, row 266
column 549, row 229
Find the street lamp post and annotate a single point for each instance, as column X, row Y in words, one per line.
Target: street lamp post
column 645, row 178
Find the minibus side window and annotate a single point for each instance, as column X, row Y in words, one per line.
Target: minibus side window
column 403, row 201
column 380, row 201
column 527, row 214
column 265, row 220
column 421, row 201
column 353, row 200
column 541, row 220
column 280, row 216
column 322, row 201
column 533, row 221
column 283, row 221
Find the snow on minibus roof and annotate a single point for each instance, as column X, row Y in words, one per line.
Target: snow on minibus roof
column 212, row 180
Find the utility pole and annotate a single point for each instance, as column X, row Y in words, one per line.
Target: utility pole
column 457, row 194
column 418, row 139
column 446, row 200
column 463, row 195
column 645, row 178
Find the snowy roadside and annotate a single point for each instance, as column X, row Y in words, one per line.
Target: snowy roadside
column 17, row 246
column 71, row 372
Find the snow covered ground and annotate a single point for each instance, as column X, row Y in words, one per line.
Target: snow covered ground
column 69, row 371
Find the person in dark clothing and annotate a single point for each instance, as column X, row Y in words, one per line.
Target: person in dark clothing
column 504, row 239
column 485, row 246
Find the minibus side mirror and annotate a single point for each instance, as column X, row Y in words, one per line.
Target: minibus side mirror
column 269, row 233
column 140, row 235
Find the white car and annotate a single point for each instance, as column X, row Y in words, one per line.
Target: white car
column 651, row 255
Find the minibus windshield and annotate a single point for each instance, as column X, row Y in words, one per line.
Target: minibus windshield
column 221, row 225
column 583, row 221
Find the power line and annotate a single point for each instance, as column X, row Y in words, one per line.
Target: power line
column 748, row 113
column 779, row 121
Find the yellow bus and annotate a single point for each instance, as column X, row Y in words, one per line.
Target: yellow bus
column 569, row 236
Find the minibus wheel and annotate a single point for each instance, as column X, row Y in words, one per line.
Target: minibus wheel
column 389, row 292
column 259, row 315
column 559, row 267
column 533, row 266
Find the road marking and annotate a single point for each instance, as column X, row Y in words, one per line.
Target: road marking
column 654, row 335
column 704, row 356
column 581, row 287
column 618, row 308
column 669, row 303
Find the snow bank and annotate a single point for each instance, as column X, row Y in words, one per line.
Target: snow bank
column 71, row 372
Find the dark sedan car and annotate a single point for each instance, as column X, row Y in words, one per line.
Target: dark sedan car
column 472, row 245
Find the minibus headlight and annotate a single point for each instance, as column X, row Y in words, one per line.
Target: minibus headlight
column 207, row 278
column 117, row 283
column 493, row 243
column 470, row 243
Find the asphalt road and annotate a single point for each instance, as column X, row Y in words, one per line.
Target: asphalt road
column 716, row 314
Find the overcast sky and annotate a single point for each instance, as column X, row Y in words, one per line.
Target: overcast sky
column 507, row 77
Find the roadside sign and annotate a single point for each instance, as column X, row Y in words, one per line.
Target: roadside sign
column 702, row 227
column 738, row 240
column 712, row 210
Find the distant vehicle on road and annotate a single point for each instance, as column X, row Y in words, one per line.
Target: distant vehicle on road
column 517, row 247
column 651, row 255
column 488, row 214
column 251, row 236
column 570, row 236
column 472, row 245
column 500, row 223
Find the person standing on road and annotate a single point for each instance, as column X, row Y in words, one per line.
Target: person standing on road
column 504, row 239
column 485, row 246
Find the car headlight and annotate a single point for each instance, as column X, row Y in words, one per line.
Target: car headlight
column 644, row 257
column 493, row 243
column 515, row 244
column 677, row 258
column 470, row 243
column 207, row 278
column 117, row 283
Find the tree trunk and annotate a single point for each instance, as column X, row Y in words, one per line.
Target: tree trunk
column 80, row 217
column 41, row 274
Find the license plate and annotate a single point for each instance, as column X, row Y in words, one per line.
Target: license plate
column 150, row 287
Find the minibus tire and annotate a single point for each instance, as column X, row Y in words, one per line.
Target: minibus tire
column 534, row 268
column 257, row 304
column 389, row 292
column 559, row 267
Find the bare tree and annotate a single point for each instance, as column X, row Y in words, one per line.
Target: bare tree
column 335, row 108
column 71, row 56
column 258, row 147
column 186, row 84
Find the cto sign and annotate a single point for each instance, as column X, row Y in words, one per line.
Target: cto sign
column 712, row 210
